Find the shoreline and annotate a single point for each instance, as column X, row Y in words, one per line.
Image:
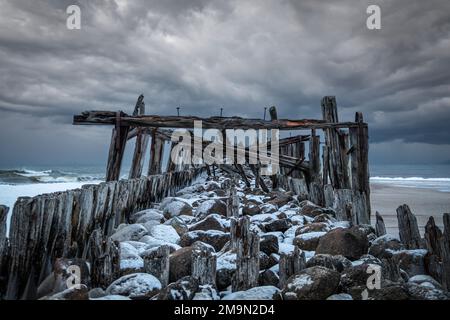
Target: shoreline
column 423, row 203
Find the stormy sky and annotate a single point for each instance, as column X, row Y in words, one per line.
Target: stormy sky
column 240, row 55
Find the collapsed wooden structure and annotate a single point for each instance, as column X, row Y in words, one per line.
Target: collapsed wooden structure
column 77, row 223
column 336, row 175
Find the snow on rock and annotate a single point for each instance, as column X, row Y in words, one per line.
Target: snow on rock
column 340, row 296
column 150, row 215
column 111, row 297
column 257, row 293
column 132, row 232
column 286, row 248
column 135, row 286
column 211, row 206
column 129, row 258
column 176, row 208
column 165, row 233
column 212, row 237
column 206, row 292
column 422, row 279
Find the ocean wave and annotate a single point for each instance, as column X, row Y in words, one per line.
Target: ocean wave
column 26, row 176
column 411, row 179
column 440, row 184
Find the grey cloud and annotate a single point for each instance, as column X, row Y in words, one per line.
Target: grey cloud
column 239, row 55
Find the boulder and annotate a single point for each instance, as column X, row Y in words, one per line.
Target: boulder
column 315, row 283
column 180, row 264
column 135, row 286
column 268, row 278
column 268, row 244
column 257, row 293
column 132, row 232
column 215, row 238
column 337, row 263
column 183, row 289
column 351, row 243
column 423, row 292
column 226, row 267
column 280, row 225
column 313, row 227
column 308, row 241
column 268, row 208
column 151, row 242
column 79, row 292
column 165, row 233
column 176, row 208
column 384, row 245
column 149, row 215
column 211, row 206
column 307, row 208
column 393, row 292
column 96, row 293
column 279, row 198
column 264, row 261
column 411, row 261
column 340, row 296
column 206, row 292
column 178, row 224
column 422, row 278
column 211, row 222
column 130, row 261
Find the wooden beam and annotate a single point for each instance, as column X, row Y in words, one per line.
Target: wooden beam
column 141, row 143
column 156, row 154
column 220, row 123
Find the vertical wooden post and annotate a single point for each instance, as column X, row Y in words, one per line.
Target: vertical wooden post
column 156, row 262
column 380, row 228
column 247, row 262
column 359, row 159
column 3, row 246
column 141, row 143
column 116, row 149
column 445, row 251
column 274, row 177
column 156, row 151
column 338, row 166
column 204, row 264
column 290, row 264
column 315, row 185
column 407, row 227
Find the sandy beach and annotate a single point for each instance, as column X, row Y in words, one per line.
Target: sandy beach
column 423, row 203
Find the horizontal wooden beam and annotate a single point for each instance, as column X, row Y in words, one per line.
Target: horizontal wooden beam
column 220, row 123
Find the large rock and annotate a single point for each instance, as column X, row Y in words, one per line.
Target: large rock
column 251, row 209
column 337, row 263
column 178, row 224
column 340, row 296
column 132, row 232
column 130, row 261
column 135, row 286
column 316, row 283
column 411, row 261
column 211, row 222
column 215, row 238
column 180, row 264
column 279, row 198
column 268, row 244
column 206, row 292
column 351, row 243
column 226, row 267
column 150, row 215
column 307, row 208
column 425, row 279
column 268, row 278
column 258, row 293
column 183, row 289
column 176, row 208
column 165, row 233
column 308, row 241
column 211, row 206
column 80, row 292
column 151, row 242
column 384, row 246
column 280, row 225
column 422, row 292
column 313, row 227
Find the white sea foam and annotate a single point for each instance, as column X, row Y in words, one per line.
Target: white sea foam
column 440, row 184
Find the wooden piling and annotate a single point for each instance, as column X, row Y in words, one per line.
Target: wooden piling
column 156, row 263
column 156, row 153
column 290, row 264
column 117, row 148
column 445, row 251
column 141, row 144
column 247, row 261
column 380, row 228
column 274, row 117
column 204, row 264
column 407, row 227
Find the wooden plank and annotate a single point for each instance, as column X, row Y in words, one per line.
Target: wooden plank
column 204, row 263
column 220, row 123
column 290, row 264
column 156, row 153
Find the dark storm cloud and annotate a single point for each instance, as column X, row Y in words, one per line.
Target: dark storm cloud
column 203, row 55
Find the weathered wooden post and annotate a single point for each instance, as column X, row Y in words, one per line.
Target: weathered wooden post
column 156, row 153
column 156, row 262
column 103, row 255
column 204, row 264
column 359, row 159
column 116, row 149
column 3, row 248
column 274, row 176
column 316, row 194
column 338, row 166
column 407, row 227
column 445, row 251
column 141, row 143
column 380, row 228
column 246, row 242
column 290, row 264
